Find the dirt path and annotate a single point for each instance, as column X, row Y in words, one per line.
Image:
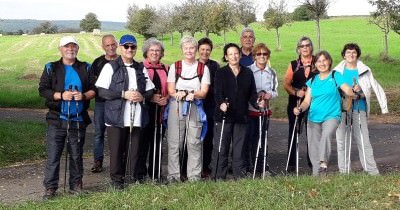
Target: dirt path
column 24, row 182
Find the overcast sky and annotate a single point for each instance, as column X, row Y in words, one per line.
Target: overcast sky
column 109, row 10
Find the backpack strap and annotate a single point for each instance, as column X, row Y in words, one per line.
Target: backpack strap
column 178, row 70
column 49, row 68
column 200, row 70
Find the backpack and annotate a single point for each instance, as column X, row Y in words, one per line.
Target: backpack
column 178, row 71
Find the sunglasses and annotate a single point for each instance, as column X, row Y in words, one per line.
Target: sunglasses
column 133, row 47
column 262, row 54
column 304, row 45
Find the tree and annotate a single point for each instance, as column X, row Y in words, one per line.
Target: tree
column 140, row 20
column 45, row 27
column 227, row 19
column 245, row 11
column 163, row 24
column 386, row 17
column 275, row 17
column 318, row 8
column 90, row 22
column 301, row 13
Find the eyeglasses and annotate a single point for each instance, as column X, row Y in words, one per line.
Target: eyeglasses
column 133, row 47
column 262, row 54
column 304, row 45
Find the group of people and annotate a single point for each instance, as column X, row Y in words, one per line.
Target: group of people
column 204, row 110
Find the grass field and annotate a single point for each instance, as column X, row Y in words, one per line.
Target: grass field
column 22, row 57
column 305, row 192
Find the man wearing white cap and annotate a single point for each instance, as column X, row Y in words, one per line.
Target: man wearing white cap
column 127, row 89
column 67, row 85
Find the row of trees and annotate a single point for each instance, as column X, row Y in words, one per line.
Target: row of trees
column 218, row 16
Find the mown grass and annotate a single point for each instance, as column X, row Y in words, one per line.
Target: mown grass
column 22, row 57
column 21, row 140
column 333, row 192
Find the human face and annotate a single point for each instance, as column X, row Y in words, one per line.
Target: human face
column 69, row 51
column 350, row 56
column 109, row 46
column 189, row 51
column 204, row 52
column 261, row 57
column 128, row 54
column 305, row 48
column 154, row 54
column 232, row 56
column 323, row 64
column 247, row 40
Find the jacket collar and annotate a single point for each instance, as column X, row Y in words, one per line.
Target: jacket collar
column 361, row 67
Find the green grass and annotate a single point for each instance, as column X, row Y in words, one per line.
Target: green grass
column 26, row 55
column 305, row 192
column 20, row 140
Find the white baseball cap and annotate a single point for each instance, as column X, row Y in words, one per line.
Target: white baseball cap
column 66, row 40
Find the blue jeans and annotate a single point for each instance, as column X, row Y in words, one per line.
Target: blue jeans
column 100, row 128
column 56, row 136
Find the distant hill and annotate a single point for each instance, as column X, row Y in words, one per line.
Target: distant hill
column 13, row 25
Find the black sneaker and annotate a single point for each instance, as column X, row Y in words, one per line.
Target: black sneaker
column 50, row 193
column 97, row 166
column 76, row 189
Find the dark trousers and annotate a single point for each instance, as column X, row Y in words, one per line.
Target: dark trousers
column 236, row 133
column 56, row 137
column 146, row 151
column 124, row 153
column 252, row 140
column 100, row 128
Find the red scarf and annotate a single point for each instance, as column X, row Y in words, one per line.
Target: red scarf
column 162, row 72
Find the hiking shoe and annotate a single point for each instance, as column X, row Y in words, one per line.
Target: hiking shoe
column 97, row 166
column 323, row 171
column 76, row 189
column 50, row 193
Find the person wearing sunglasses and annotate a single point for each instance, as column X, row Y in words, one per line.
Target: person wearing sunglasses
column 127, row 89
column 297, row 74
column 267, row 89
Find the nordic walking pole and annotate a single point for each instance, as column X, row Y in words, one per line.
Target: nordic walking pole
column 77, row 116
column 132, row 118
column 266, row 138
column 359, row 123
column 220, row 139
column 155, row 142
column 291, row 141
column 186, row 134
column 67, row 141
column 159, row 148
column 259, row 144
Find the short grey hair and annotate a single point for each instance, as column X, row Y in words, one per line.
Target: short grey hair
column 188, row 39
column 108, row 36
column 302, row 39
column 248, row 29
column 151, row 42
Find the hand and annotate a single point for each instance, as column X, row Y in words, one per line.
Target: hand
column 297, row 110
column 137, row 96
column 356, row 88
column 78, row 96
column 224, row 107
column 261, row 104
column 190, row 96
column 180, row 95
column 300, row 93
column 67, row 95
column 267, row 96
column 156, row 98
column 163, row 101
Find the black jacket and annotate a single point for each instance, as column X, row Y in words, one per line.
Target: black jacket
column 97, row 66
column 52, row 80
column 238, row 90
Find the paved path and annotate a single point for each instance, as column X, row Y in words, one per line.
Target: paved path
column 24, row 182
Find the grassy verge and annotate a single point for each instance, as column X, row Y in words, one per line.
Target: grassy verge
column 332, row 192
column 21, row 139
